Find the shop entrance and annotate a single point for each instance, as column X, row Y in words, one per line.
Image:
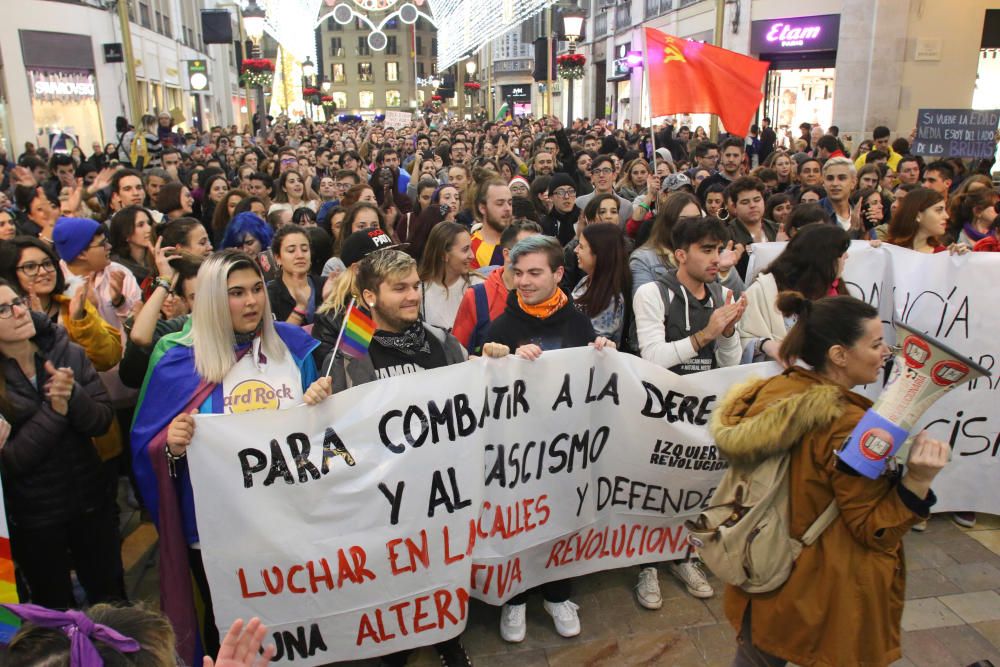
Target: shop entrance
column 795, row 96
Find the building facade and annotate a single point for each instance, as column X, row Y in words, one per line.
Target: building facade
column 365, row 81
column 56, row 79
column 512, row 61
column 851, row 63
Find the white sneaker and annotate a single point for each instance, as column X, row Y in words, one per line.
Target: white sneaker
column 920, row 526
column 513, row 624
column 691, row 574
column 647, row 591
column 566, row 619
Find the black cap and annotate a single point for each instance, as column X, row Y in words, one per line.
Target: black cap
column 360, row 244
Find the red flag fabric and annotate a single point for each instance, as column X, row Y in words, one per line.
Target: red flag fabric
column 691, row 77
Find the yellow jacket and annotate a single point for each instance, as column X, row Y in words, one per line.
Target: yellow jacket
column 101, row 341
column 103, row 346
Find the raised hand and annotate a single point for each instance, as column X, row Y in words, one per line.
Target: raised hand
column 116, row 281
column 23, row 176
column 162, row 256
column 78, row 303
column 241, row 647
column 102, row 180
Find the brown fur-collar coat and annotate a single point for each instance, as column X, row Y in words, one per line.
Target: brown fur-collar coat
column 843, row 603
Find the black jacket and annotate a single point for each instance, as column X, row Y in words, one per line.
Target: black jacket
column 567, row 327
column 51, row 470
column 282, row 301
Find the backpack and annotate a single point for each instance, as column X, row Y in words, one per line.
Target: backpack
column 743, row 536
column 478, row 335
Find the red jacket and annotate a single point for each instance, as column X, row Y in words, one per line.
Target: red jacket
column 989, row 244
column 496, row 297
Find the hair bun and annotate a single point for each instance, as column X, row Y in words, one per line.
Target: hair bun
column 794, row 303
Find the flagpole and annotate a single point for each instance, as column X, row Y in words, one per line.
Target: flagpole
column 336, row 346
column 649, row 97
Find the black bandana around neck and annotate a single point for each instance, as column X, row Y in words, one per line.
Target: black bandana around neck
column 411, row 341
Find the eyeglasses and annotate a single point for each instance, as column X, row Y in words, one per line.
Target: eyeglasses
column 564, row 192
column 32, row 268
column 7, row 309
column 602, row 171
column 103, row 243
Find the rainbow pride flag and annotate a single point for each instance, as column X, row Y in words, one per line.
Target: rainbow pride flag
column 9, row 623
column 357, row 334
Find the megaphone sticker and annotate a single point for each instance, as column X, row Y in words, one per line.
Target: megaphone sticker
column 876, row 444
column 916, row 352
column 948, row 372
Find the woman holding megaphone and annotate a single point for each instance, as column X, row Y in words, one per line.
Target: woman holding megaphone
column 842, row 603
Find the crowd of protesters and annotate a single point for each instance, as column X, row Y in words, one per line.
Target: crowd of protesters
column 137, row 289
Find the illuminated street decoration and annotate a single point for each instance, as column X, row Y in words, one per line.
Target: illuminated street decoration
column 344, row 12
column 471, row 24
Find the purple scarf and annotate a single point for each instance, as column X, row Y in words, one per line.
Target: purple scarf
column 973, row 233
column 80, row 630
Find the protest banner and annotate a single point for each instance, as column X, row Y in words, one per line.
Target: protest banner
column 945, row 296
column 969, row 133
column 398, row 119
column 363, row 526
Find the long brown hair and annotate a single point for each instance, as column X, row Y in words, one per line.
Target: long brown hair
column 611, row 276
column 221, row 216
column 903, row 226
column 832, row 320
column 433, row 264
column 666, row 218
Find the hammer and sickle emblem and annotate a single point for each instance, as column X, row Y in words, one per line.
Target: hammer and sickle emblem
column 671, row 52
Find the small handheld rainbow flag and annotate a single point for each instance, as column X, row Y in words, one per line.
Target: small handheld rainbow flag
column 358, row 331
column 355, row 336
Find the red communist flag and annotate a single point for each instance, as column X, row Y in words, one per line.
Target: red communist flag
column 691, row 77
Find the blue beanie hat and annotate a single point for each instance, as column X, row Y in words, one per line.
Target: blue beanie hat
column 72, row 236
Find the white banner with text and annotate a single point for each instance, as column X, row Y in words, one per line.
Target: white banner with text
column 363, row 526
column 954, row 299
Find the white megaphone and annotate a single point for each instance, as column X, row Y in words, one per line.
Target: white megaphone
column 923, row 370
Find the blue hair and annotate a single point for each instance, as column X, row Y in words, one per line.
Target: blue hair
column 243, row 224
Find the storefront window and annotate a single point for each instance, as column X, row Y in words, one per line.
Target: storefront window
column 64, row 106
column 796, row 96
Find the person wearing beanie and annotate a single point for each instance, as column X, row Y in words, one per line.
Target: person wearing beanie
column 83, row 247
column 561, row 220
column 519, row 187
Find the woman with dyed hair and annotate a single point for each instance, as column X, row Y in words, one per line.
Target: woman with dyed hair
column 231, row 338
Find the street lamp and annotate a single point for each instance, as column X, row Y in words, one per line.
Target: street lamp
column 573, row 19
column 573, row 26
column 470, row 68
column 308, row 69
column 254, row 18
